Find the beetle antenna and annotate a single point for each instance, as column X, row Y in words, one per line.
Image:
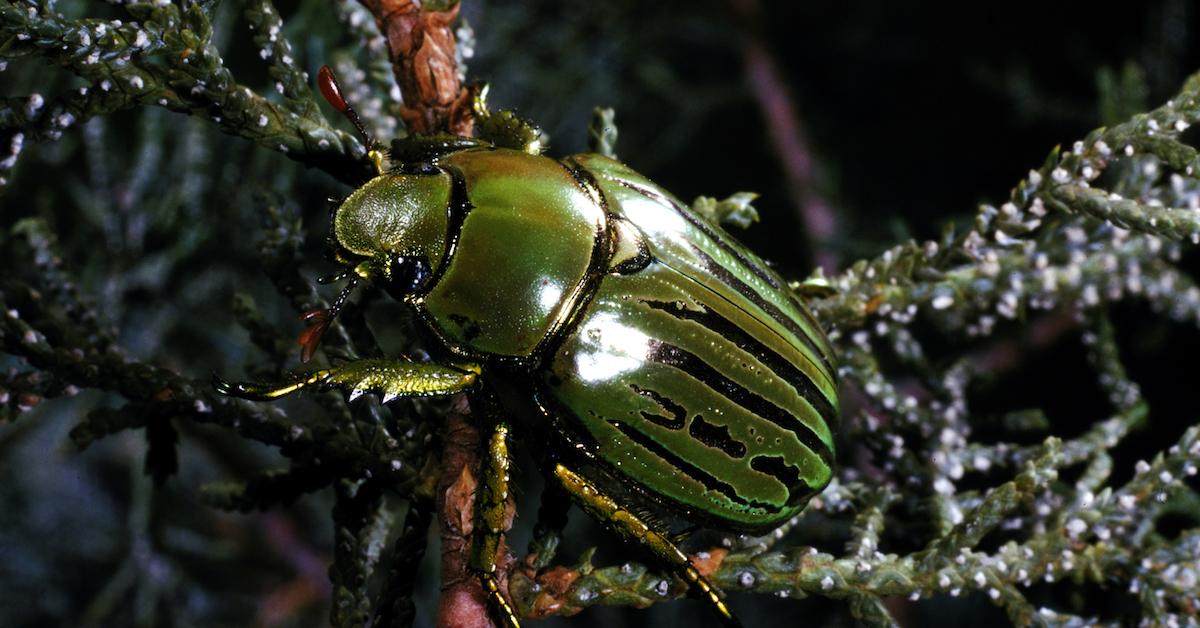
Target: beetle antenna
column 341, row 299
column 311, row 337
column 332, row 91
column 338, row 276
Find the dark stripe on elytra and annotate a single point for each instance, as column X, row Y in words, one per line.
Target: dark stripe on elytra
column 716, row 436
column 693, row 365
column 709, row 481
column 707, row 230
column 777, row 364
column 725, row 275
column 733, row 281
column 678, row 414
column 788, row 475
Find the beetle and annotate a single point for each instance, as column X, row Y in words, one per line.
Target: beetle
column 677, row 377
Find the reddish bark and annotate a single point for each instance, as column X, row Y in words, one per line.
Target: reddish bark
column 463, row 603
column 421, row 44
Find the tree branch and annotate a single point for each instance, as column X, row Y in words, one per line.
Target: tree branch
column 421, row 43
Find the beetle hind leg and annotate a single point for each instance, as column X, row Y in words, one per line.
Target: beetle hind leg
column 630, row 526
column 389, row 378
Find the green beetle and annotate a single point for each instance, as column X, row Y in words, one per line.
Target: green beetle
column 676, row 376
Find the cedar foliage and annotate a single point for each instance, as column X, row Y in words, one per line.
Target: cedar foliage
column 1016, row 432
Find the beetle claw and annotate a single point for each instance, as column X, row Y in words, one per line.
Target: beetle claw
column 233, row 389
column 268, row 391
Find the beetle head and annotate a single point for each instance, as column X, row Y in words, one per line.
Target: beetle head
column 389, row 232
column 392, row 231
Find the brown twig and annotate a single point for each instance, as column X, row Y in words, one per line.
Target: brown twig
column 463, row 603
column 788, row 137
column 421, row 44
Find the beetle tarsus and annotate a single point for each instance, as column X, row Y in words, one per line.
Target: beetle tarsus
column 265, row 391
column 499, row 604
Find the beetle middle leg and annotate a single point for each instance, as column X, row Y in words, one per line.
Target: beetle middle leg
column 388, row 377
column 491, row 509
column 607, row 511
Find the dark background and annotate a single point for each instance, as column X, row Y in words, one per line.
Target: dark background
column 912, row 112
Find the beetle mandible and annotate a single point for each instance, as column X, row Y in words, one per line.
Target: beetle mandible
column 677, row 377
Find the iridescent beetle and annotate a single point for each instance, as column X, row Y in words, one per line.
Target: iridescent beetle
column 676, row 376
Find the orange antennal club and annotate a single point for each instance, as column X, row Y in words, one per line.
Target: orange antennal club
column 332, row 91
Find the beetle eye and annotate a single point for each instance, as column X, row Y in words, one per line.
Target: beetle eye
column 408, row 274
column 428, row 168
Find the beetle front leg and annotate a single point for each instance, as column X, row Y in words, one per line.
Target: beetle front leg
column 491, row 509
column 624, row 522
column 387, row 377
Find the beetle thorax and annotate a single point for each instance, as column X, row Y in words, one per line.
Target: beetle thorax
column 395, row 216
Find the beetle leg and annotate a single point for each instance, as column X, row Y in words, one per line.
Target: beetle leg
column 491, row 510
column 606, row 510
column 552, row 518
column 506, row 129
column 390, row 378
